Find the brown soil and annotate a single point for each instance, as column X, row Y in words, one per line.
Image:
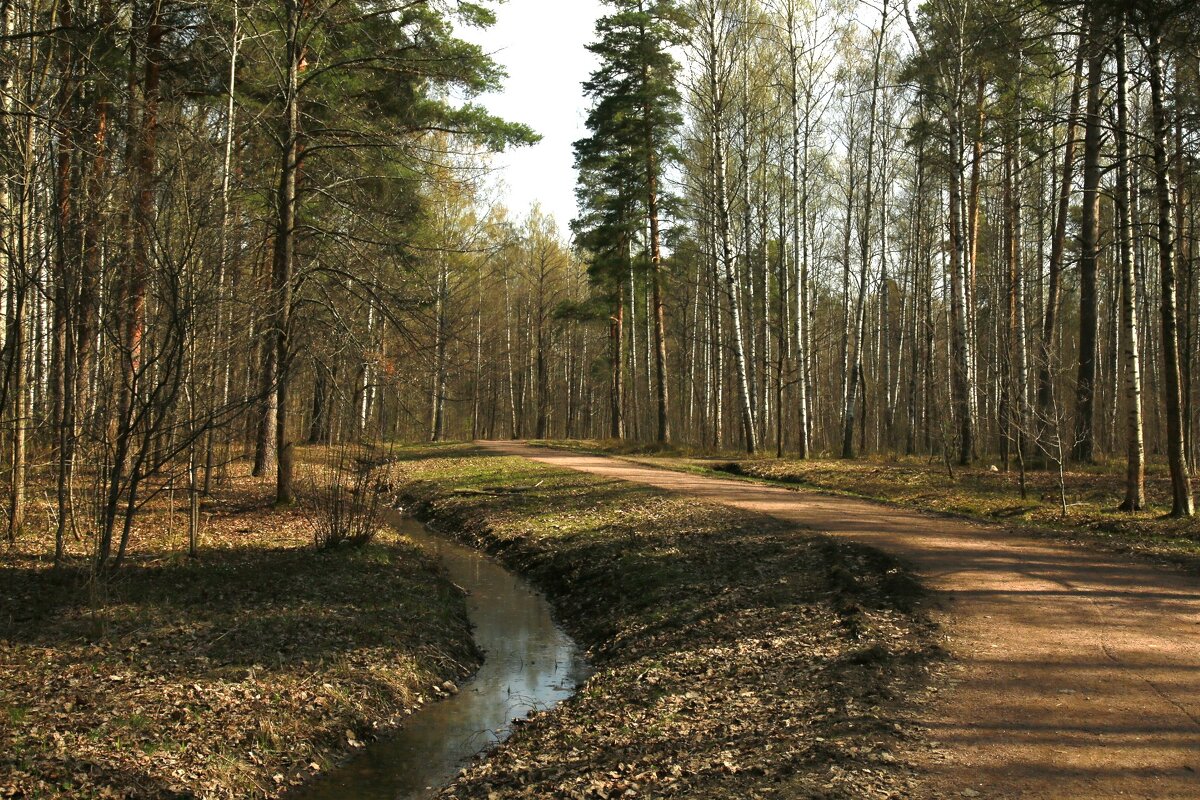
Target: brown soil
column 1079, row 671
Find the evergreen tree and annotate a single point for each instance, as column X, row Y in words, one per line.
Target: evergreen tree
column 633, row 122
column 358, row 84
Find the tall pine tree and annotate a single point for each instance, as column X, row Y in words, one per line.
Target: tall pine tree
column 634, row 116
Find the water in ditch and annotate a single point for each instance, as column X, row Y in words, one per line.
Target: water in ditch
column 530, row 663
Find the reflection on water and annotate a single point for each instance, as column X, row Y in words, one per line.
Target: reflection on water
column 529, row 664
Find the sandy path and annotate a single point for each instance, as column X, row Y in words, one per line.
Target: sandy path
column 1081, row 670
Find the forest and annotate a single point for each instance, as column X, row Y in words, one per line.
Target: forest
column 963, row 231
column 246, row 245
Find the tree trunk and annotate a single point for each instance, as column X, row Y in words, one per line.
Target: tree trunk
column 437, row 430
column 799, row 197
column 281, row 273
column 19, row 393
column 65, row 274
column 1045, row 390
column 1181, row 488
column 659, row 311
column 961, row 342
column 732, row 292
column 1089, row 252
column 1017, row 323
column 265, row 454
column 1135, row 474
column 318, row 427
column 144, row 205
column 616, row 340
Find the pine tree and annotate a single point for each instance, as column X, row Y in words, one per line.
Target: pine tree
column 357, row 84
column 633, row 122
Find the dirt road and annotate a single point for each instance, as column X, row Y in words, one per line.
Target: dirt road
column 1080, row 671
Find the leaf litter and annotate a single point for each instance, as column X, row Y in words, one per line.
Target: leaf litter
column 735, row 657
column 237, row 675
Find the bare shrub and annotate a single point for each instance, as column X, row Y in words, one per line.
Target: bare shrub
column 348, row 502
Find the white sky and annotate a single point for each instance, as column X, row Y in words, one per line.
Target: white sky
column 541, row 43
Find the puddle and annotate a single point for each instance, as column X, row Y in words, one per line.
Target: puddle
column 530, row 663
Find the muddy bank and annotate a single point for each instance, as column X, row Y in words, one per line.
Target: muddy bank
column 734, row 657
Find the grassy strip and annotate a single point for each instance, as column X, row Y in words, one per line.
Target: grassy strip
column 253, row 668
column 735, row 658
column 977, row 493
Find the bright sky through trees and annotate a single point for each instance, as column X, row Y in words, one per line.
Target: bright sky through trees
column 541, row 44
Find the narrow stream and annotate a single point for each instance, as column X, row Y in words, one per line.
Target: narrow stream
column 529, row 664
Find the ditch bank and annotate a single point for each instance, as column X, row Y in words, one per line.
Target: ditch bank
column 258, row 666
column 734, row 657
column 529, row 664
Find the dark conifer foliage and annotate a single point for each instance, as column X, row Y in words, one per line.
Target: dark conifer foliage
column 633, row 122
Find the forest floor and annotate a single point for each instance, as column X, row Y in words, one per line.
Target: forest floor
column 750, row 637
column 734, row 657
column 978, row 493
column 1075, row 672
column 232, row 675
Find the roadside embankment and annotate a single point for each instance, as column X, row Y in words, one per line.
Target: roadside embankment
column 735, row 657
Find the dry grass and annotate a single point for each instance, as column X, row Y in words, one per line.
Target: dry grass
column 1093, row 494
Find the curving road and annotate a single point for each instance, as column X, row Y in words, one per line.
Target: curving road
column 1080, row 670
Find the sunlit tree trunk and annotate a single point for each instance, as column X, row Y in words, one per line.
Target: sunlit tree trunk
column 659, row 308
column 1135, row 473
column 224, row 267
column 799, row 209
column 285, row 232
column 732, row 293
